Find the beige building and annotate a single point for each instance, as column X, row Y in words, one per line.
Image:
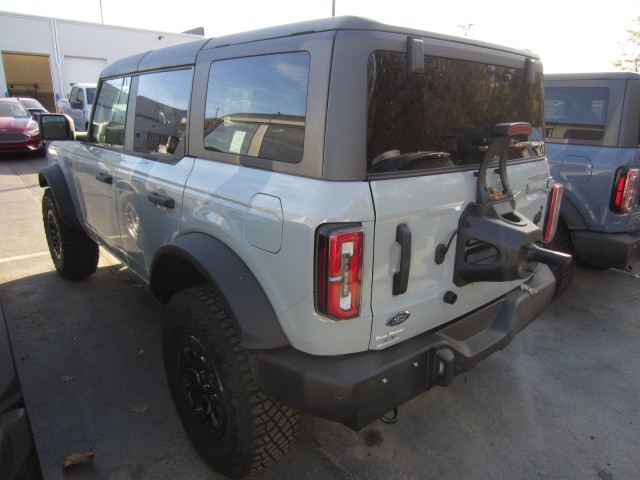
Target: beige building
column 41, row 57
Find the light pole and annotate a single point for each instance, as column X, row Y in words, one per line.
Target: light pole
column 333, row 8
column 466, row 28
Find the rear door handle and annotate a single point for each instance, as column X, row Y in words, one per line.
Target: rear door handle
column 161, row 200
column 401, row 277
column 104, row 178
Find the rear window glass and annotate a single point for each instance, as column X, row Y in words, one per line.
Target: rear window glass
column 256, row 106
column 445, row 117
column 576, row 113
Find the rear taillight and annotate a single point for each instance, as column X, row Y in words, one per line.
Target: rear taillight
column 339, row 271
column 624, row 189
column 553, row 212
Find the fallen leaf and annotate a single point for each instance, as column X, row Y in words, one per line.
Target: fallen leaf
column 140, row 353
column 67, row 378
column 76, row 458
column 143, row 407
column 495, row 193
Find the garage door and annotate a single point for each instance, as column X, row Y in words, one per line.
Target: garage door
column 82, row 70
column 29, row 75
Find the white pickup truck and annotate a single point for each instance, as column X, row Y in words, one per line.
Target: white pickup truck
column 78, row 104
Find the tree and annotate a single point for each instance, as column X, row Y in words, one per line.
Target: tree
column 630, row 60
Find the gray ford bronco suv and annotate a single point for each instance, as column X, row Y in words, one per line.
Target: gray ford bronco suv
column 593, row 145
column 340, row 215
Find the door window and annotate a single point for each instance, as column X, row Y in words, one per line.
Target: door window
column 162, row 106
column 109, row 118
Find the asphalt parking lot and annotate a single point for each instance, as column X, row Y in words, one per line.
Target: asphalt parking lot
column 560, row 402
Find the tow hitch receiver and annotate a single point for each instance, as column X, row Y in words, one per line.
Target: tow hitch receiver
column 494, row 242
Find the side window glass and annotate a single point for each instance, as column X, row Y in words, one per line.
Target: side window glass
column 91, row 92
column 162, row 104
column 256, row 106
column 80, row 96
column 109, row 117
column 576, row 113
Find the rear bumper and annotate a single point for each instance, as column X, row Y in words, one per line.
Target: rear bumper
column 611, row 250
column 357, row 389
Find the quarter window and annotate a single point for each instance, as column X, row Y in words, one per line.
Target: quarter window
column 576, row 113
column 256, row 106
column 109, row 118
column 162, row 103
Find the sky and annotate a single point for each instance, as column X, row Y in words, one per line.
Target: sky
column 568, row 35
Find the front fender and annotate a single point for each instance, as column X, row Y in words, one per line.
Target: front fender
column 51, row 176
column 172, row 270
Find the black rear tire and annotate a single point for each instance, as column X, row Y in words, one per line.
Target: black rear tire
column 232, row 423
column 74, row 254
column 564, row 275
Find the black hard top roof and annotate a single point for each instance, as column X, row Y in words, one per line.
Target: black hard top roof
column 593, row 76
column 185, row 54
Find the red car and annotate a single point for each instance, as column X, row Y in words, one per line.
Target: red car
column 19, row 132
column 34, row 106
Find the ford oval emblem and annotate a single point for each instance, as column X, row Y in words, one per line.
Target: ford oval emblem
column 398, row 318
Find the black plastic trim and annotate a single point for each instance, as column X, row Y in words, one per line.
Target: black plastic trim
column 357, row 389
column 51, row 176
column 401, row 277
column 610, row 250
column 240, row 291
column 570, row 215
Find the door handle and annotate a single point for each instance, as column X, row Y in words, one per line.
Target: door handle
column 401, row 277
column 104, row 178
column 161, row 200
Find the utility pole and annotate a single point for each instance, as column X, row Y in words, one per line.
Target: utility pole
column 101, row 17
column 466, row 28
column 333, row 8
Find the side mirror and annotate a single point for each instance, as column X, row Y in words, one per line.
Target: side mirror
column 56, row 126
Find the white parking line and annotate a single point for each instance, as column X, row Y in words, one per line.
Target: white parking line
column 22, row 257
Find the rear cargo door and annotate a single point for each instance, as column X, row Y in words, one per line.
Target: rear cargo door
column 427, row 135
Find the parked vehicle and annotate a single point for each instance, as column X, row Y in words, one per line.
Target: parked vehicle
column 34, row 106
column 15, row 431
column 340, row 215
column 592, row 138
column 19, row 132
column 78, row 104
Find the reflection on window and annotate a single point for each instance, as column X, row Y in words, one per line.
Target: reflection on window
column 162, row 105
column 256, row 106
column 445, row 117
column 576, row 113
column 109, row 118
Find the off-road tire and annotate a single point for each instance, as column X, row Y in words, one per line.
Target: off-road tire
column 74, row 254
column 232, row 423
column 563, row 275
